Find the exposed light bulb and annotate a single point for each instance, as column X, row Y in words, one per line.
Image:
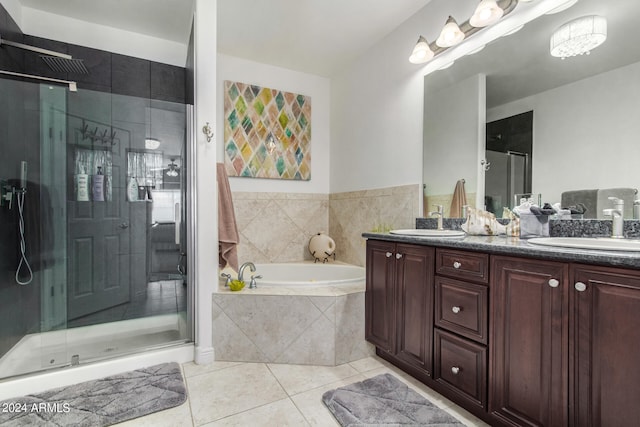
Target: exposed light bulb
column 451, row 34
column 488, row 12
column 421, row 52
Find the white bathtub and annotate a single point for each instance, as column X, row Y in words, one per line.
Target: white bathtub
column 306, row 274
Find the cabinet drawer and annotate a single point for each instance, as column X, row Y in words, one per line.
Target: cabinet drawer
column 460, row 365
column 461, row 307
column 463, row 265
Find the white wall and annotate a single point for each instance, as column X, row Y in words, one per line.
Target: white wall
column 585, row 134
column 318, row 88
column 57, row 27
column 207, row 202
column 377, row 104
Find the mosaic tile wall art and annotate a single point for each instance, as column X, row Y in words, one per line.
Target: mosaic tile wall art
column 267, row 132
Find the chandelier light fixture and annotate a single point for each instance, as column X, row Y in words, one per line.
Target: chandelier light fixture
column 578, row 37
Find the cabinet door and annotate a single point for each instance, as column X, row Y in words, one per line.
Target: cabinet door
column 415, row 265
column 379, row 296
column 529, row 341
column 607, row 353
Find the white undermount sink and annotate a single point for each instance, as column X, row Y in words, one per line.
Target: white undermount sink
column 597, row 243
column 423, row 232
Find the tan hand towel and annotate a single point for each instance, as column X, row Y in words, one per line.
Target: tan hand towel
column 228, row 237
column 459, row 200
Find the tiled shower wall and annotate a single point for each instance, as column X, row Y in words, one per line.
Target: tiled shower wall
column 276, row 227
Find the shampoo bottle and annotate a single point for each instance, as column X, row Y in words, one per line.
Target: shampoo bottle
column 97, row 187
column 132, row 189
column 82, row 186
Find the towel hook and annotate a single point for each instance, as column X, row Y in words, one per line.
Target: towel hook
column 206, row 129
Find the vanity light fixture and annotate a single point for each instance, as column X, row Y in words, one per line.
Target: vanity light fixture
column 579, row 36
column 488, row 12
column 421, row 52
column 451, row 34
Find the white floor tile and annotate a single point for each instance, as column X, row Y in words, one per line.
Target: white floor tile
column 229, row 391
column 299, row 378
column 280, row 413
column 191, row 369
column 367, row 364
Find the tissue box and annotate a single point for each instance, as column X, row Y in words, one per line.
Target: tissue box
column 533, row 226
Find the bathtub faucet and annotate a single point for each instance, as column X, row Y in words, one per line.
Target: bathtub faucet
column 251, row 266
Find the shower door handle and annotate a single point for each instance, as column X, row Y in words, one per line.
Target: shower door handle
column 124, row 225
column 178, row 221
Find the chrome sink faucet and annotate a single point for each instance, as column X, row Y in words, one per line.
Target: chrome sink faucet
column 251, row 266
column 439, row 212
column 617, row 215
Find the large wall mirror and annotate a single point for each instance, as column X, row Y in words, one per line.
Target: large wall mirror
column 513, row 114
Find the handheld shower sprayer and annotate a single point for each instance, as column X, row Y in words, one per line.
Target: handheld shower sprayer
column 20, row 196
column 23, row 176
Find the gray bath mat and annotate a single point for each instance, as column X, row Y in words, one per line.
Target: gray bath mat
column 382, row 401
column 100, row 402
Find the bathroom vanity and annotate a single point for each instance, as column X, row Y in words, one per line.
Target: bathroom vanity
column 517, row 334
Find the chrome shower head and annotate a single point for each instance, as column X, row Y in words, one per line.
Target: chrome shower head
column 64, row 65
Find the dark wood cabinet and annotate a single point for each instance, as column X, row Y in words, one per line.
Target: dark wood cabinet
column 380, row 310
column 529, row 342
column 606, row 344
column 414, row 285
column 516, row 341
column 398, row 301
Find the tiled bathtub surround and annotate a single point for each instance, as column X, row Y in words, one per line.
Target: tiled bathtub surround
column 308, row 326
column 355, row 212
column 276, row 227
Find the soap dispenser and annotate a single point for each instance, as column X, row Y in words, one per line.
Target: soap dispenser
column 97, row 186
column 636, row 209
column 82, row 185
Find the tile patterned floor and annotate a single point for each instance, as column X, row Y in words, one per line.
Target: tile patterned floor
column 264, row 394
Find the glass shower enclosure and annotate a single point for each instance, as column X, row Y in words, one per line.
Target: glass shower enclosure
column 92, row 237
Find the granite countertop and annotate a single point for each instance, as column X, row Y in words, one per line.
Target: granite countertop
column 518, row 247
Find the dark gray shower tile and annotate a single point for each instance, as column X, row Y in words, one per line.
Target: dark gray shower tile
column 98, row 62
column 130, row 76
column 167, row 82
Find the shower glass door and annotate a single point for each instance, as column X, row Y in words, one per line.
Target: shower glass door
column 102, row 272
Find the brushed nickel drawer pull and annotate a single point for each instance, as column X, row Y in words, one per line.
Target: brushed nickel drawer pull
column 388, row 254
column 456, row 309
column 457, row 265
column 554, row 283
column 398, row 256
column 455, row 370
